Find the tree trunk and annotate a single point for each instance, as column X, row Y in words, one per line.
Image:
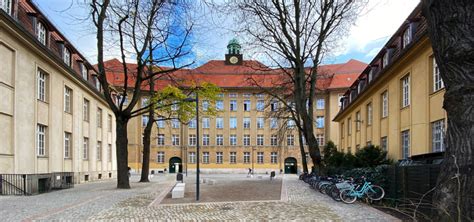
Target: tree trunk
column 146, row 147
column 121, row 144
column 303, row 153
column 451, row 31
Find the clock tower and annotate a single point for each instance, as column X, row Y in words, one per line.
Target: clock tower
column 233, row 56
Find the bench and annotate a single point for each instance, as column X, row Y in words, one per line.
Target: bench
column 178, row 191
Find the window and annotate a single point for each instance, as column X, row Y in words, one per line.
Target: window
column 233, row 157
column 67, row 57
column 247, row 105
column 320, row 104
column 42, row 77
column 290, row 124
column 175, row 139
column 274, row 106
column 219, row 140
column 85, row 149
column 406, row 37
column 290, row 140
column 320, row 122
column 260, row 140
column 160, row 157
column 219, row 157
column 274, row 157
column 67, row 144
column 6, row 5
column 405, row 144
column 371, row 75
column 260, row 105
column 247, row 95
column 84, row 71
column 274, row 140
column 369, row 114
column 98, row 150
column 320, row 139
column 273, row 123
column 175, row 123
column 205, row 157
column 109, row 152
column 349, row 126
column 206, row 123
column 341, row 100
column 97, row 86
column 192, row 140
column 246, row 122
column 406, row 91
column 260, row 95
column 384, row 143
column 41, row 140
column 192, row 123
column 437, row 136
column 205, row 105
column 205, row 139
column 41, row 33
column 160, row 124
column 219, row 123
column 161, row 140
column 246, row 157
column 144, row 120
column 192, row 157
column 109, row 122
column 437, row 81
column 232, row 95
column 219, row 105
column 358, row 121
column 233, row 122
column 233, row 140
column 67, row 99
column 233, row 105
column 385, row 60
column 342, row 130
column 384, row 104
column 260, row 122
column 99, row 117
column 174, row 106
column 220, row 95
column 260, row 157
column 246, row 140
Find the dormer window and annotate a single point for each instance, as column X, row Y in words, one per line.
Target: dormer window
column 84, row 71
column 385, row 60
column 67, row 56
column 6, row 5
column 407, row 37
column 97, row 86
column 371, row 74
column 41, row 33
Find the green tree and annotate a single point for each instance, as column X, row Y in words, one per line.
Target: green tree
column 370, row 156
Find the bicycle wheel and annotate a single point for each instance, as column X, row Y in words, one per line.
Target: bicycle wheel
column 375, row 192
column 322, row 188
column 335, row 193
column 347, row 196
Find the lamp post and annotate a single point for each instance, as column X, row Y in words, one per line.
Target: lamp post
column 197, row 142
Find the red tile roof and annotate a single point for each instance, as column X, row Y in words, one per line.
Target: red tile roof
column 250, row 74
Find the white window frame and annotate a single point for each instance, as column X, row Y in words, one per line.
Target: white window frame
column 220, row 105
column 233, row 105
column 437, row 136
column 175, row 124
column 219, row 158
column 260, row 157
column 206, row 123
column 233, row 140
column 67, row 56
column 192, row 157
column 246, row 140
column 219, row 123
column 67, row 99
column 274, row 140
column 160, row 157
column 233, row 122
column 384, row 143
column 260, row 105
column 99, row 117
column 219, row 140
column 358, row 121
column 67, row 145
column 320, row 139
column 405, row 91
column 246, row 122
column 85, row 110
column 273, row 123
column 205, row 157
column 98, row 150
column 192, row 123
column 205, row 140
column 260, row 123
column 319, row 122
column 84, row 71
column 233, row 157
column 160, row 124
column 41, row 33
column 246, row 157
column 192, row 140
column 42, row 84
column 260, row 140
column 385, row 104
column 85, row 148
column 160, row 139
column 205, row 105
column 369, row 114
column 247, row 105
column 437, row 80
column 274, row 157
column 6, row 5
column 175, row 139
column 407, row 37
column 320, row 103
column 405, row 135
column 290, row 140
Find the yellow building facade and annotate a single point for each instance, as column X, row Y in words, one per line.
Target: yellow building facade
column 396, row 103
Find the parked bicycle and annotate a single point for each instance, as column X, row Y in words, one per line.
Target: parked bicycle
column 359, row 190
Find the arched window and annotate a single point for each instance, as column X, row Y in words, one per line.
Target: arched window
column 6, row 5
column 67, row 56
column 41, row 33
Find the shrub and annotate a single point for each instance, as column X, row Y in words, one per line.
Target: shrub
column 370, row 156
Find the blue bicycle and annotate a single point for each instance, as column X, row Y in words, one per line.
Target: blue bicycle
column 373, row 192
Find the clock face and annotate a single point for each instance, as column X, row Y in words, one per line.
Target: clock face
column 233, row 59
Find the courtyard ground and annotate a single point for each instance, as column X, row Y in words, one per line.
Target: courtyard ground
column 101, row 201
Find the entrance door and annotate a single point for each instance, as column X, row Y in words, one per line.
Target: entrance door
column 176, row 165
column 290, row 165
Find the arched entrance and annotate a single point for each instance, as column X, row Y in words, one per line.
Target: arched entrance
column 176, row 165
column 291, row 165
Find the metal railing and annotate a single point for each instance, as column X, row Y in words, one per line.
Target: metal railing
column 31, row 184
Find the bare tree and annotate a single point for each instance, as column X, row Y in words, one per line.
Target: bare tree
column 136, row 25
column 451, row 31
column 293, row 35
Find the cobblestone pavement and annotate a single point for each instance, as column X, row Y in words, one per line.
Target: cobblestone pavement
column 101, row 201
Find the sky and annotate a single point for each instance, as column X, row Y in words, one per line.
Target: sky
column 366, row 37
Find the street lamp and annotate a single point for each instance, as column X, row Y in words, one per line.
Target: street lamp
column 197, row 141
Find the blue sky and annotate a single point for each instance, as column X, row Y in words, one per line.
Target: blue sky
column 366, row 37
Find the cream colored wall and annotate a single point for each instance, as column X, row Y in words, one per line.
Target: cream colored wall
column 20, row 112
column 425, row 106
